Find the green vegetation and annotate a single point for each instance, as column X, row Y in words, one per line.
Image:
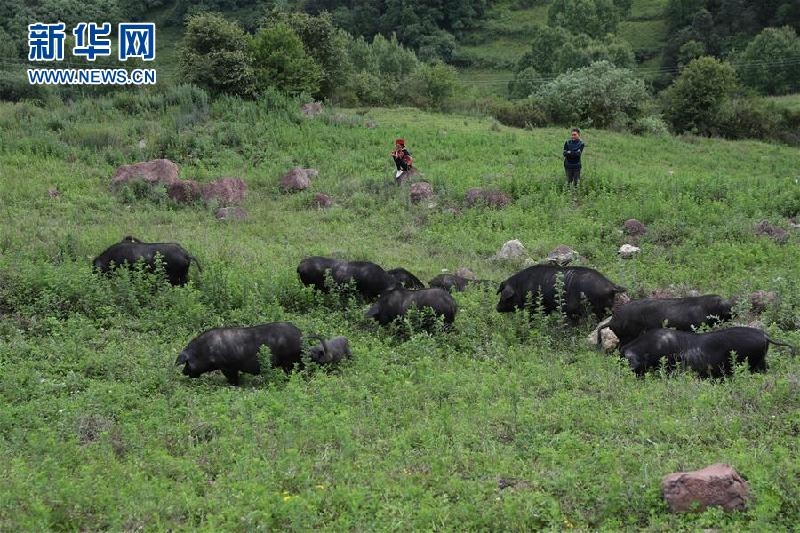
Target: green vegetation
column 503, row 423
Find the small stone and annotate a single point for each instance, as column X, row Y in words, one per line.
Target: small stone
column 562, row 255
column 512, row 249
column 626, row 251
column 322, row 201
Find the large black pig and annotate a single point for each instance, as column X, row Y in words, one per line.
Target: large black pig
column 706, row 353
column 540, row 281
column 397, row 302
column 370, row 279
column 638, row 316
column 234, row 350
column 312, row 271
column 129, row 250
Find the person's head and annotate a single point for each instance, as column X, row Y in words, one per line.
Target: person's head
column 575, row 133
column 400, row 143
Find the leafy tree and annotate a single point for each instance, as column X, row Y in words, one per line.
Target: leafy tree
column 216, row 56
column 592, row 17
column 554, row 51
column 437, row 46
column 601, row 94
column 525, row 83
column 414, row 23
column 690, row 51
column 771, row 62
column 323, row 41
column 280, row 61
column 381, row 70
column 430, row 85
column 694, row 100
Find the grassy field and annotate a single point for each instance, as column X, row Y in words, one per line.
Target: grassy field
column 503, row 423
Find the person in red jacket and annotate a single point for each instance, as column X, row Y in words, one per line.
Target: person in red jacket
column 402, row 157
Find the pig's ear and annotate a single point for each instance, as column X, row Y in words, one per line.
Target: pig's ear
column 506, row 292
column 182, row 358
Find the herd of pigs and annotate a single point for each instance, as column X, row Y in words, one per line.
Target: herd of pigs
column 651, row 332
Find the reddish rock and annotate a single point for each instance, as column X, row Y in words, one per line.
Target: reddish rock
column 323, row 201
column 231, row 213
column 716, row 485
column 776, row 233
column 406, row 176
column 184, row 191
column 297, row 179
column 760, row 300
column 158, row 171
column 225, row 191
column 634, row 228
column 488, row 197
column 421, row 190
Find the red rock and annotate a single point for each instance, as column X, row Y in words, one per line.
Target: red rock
column 716, row 485
column 225, row 191
column 488, row 197
column 323, row 201
column 421, row 190
column 157, row 171
column 297, row 179
column 184, row 191
column 634, row 228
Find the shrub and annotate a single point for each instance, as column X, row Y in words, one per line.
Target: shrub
column 601, row 95
column 280, row 61
column 521, row 114
column 650, row 125
column 693, row 101
column 770, row 64
column 216, row 56
column 430, row 85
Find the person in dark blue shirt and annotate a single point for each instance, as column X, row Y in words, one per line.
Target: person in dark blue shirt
column 573, row 148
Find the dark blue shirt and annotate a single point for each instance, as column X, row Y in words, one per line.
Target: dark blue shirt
column 572, row 153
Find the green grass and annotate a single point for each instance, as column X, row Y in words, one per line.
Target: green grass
column 789, row 101
column 644, row 35
column 502, row 423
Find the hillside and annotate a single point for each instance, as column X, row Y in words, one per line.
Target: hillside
column 505, row 422
column 492, row 51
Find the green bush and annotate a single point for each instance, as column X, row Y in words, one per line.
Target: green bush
column 280, row 61
column 14, row 87
column 694, row 100
column 526, row 113
column 601, row 95
column 429, row 86
column 771, row 62
column 216, row 56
